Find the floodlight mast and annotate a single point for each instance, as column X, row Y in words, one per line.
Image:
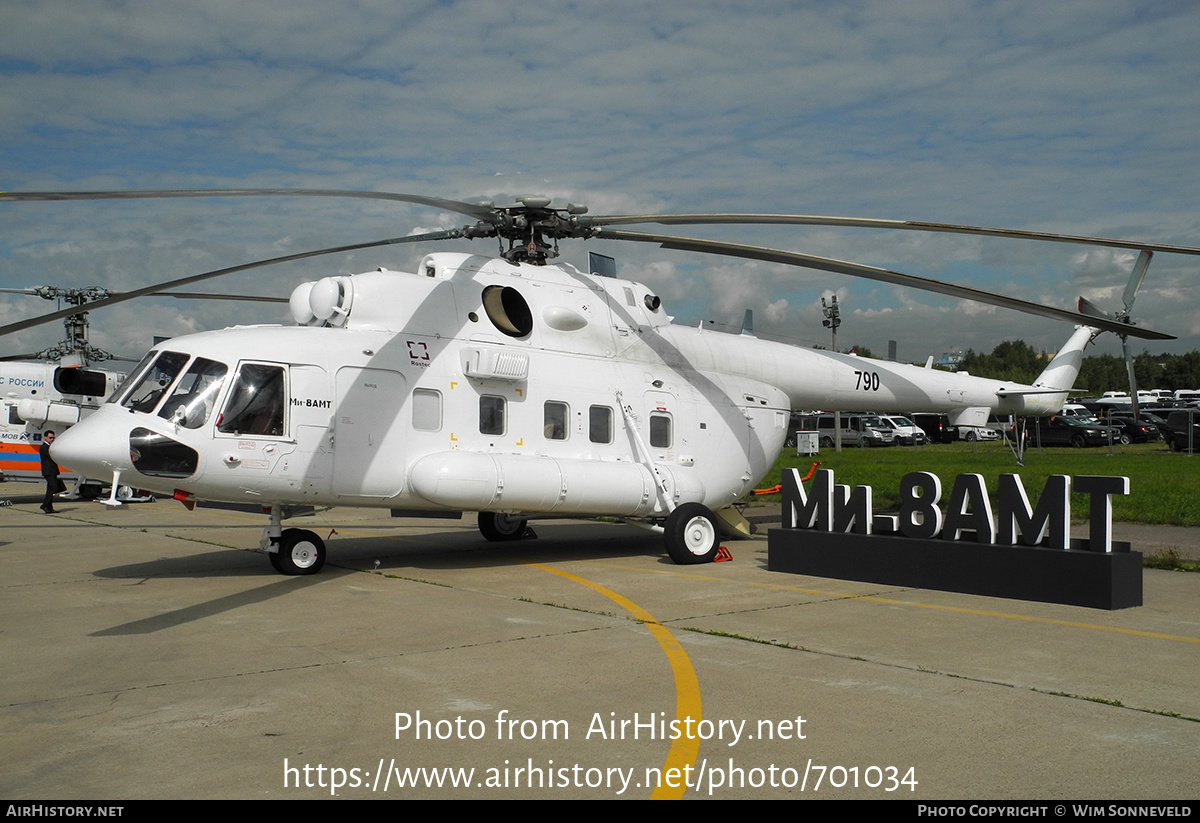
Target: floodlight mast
column 833, row 319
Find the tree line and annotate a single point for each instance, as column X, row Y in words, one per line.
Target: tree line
column 1017, row 361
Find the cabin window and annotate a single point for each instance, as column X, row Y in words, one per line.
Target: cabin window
column 153, row 383
column 427, row 410
column 600, row 427
column 194, row 397
column 256, row 402
column 660, row 431
column 555, row 420
column 491, row 414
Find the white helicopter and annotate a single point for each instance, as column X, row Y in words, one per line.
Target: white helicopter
column 510, row 386
column 51, row 389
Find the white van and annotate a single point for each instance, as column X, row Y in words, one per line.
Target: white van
column 1076, row 410
column 907, row 432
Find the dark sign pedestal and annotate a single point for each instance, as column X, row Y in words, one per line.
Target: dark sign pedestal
column 1075, row 576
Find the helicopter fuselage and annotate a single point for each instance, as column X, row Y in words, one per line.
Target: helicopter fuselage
column 477, row 384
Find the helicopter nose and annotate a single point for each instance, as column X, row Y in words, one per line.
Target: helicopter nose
column 94, row 447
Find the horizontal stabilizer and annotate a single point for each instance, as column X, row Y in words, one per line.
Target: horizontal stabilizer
column 1020, row 392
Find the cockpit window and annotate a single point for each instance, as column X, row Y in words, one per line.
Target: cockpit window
column 192, row 401
column 256, row 402
column 133, row 376
column 154, row 381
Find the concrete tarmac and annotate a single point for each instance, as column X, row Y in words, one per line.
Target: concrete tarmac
column 149, row 653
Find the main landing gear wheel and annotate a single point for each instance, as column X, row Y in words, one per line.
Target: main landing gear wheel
column 497, row 527
column 691, row 534
column 300, row 552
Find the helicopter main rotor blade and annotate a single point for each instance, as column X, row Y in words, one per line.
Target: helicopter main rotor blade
column 195, row 278
column 883, row 275
column 199, row 295
column 485, row 213
column 872, row 223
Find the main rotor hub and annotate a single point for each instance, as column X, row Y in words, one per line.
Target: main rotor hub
column 532, row 228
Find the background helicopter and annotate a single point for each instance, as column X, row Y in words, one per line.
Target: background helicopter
column 51, row 389
column 512, row 386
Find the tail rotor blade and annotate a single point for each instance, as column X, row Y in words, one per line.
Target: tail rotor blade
column 1092, row 310
column 1136, row 278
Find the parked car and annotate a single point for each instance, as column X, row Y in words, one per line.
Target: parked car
column 1002, row 425
column 907, row 432
column 973, row 433
column 1133, row 431
column 1159, row 422
column 1178, row 441
column 1076, row 410
column 1182, row 430
column 1068, row 431
column 936, row 427
column 858, row 429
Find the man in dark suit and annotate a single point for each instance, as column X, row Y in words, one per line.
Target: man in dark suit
column 49, row 473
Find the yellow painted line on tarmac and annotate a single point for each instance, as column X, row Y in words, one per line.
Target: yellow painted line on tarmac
column 893, row 602
column 687, row 687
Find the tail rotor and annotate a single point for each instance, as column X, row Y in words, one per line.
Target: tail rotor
column 1131, row 289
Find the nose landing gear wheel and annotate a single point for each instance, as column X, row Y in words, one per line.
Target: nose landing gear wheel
column 691, row 534
column 300, row 552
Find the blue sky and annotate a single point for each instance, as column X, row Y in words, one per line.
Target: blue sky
column 1077, row 117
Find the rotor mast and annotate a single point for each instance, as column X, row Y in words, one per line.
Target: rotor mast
column 75, row 344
